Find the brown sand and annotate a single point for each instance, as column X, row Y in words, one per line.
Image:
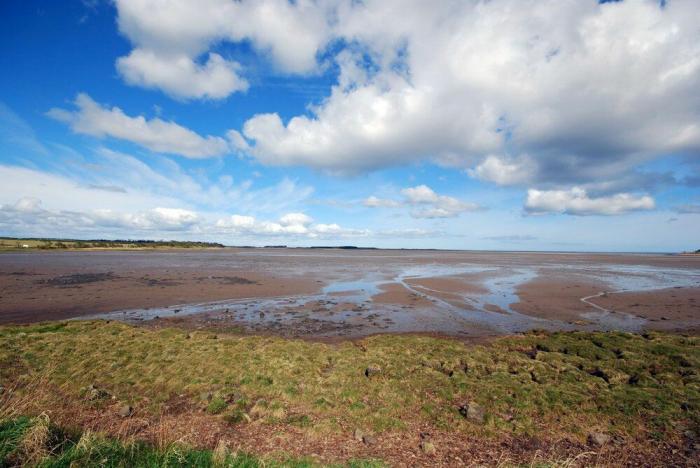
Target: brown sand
column 665, row 309
column 38, row 286
column 33, row 298
column 395, row 293
column 556, row 297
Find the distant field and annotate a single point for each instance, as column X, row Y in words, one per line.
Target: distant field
column 560, row 398
column 9, row 243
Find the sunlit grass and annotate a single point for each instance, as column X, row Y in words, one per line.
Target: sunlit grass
column 558, row 385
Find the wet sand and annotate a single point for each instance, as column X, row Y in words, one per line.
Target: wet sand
column 336, row 293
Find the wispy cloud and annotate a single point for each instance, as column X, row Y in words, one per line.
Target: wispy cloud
column 160, row 136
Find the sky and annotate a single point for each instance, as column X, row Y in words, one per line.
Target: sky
column 565, row 125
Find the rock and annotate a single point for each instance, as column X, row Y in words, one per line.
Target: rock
column 125, row 411
column 358, row 435
column 598, row 439
column 369, row 439
column 428, row 447
column 94, row 393
column 472, row 412
column 373, row 370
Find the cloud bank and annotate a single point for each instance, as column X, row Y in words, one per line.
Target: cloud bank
column 550, row 94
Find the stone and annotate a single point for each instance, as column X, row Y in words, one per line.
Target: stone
column 358, row 435
column 373, row 370
column 94, row 393
column 472, row 412
column 598, row 439
column 125, row 411
column 369, row 439
column 428, row 447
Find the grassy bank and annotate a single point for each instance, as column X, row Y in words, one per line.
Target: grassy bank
column 13, row 243
column 405, row 399
column 35, row 441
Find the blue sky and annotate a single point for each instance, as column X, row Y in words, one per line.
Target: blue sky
column 507, row 125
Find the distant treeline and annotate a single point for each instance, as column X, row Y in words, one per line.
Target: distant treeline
column 51, row 243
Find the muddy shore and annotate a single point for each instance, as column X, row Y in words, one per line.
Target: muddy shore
column 332, row 293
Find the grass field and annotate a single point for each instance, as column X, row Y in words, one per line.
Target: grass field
column 554, row 396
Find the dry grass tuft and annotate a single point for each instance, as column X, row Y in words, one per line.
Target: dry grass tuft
column 34, row 445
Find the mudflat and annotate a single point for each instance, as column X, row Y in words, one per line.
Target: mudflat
column 329, row 293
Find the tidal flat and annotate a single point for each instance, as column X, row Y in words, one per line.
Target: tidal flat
column 328, row 293
column 290, row 357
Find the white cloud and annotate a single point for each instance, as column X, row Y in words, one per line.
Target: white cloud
column 374, row 202
column 439, row 206
column 180, row 76
column 28, row 214
column 169, row 39
column 577, row 202
column 291, row 224
column 51, row 205
column 504, row 171
column 587, row 90
column 420, row 194
column 118, row 190
column 157, row 219
column 156, row 134
column 291, row 219
column 425, row 202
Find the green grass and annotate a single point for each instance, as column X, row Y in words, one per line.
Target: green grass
column 539, row 384
column 33, row 441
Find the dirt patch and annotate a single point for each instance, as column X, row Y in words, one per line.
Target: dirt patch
column 77, row 279
column 234, row 280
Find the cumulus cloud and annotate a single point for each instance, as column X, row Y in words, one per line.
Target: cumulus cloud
column 505, row 171
column 168, row 41
column 425, row 203
column 180, row 76
column 542, row 92
column 92, row 118
column 291, row 224
column 434, row 205
column 577, row 202
column 576, row 86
